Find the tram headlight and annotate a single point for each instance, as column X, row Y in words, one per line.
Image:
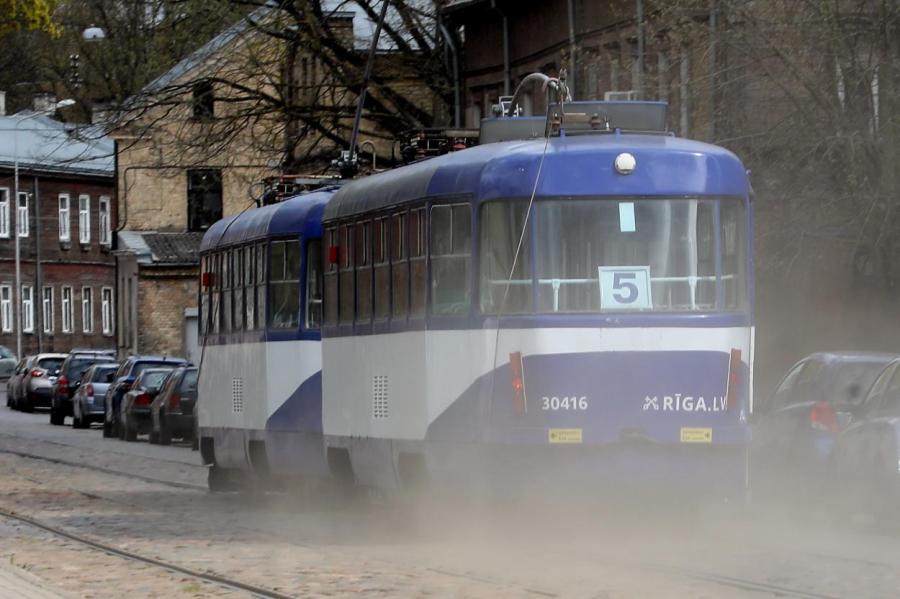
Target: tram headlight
column 625, row 163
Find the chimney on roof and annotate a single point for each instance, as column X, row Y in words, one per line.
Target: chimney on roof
column 2, row 103
column 44, row 102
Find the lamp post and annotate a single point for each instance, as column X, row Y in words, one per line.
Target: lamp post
column 18, row 293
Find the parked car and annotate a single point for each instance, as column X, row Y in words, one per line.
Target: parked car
column 867, row 451
column 795, row 431
column 8, row 363
column 32, row 382
column 172, row 411
column 88, row 403
column 12, row 384
column 134, row 412
column 125, row 376
column 71, row 371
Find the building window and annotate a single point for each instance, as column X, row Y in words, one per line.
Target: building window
column 107, row 310
column 4, row 212
column 6, row 311
column 47, row 309
column 67, row 310
column 64, row 225
column 204, row 101
column 27, row 309
column 84, row 219
column 105, row 225
column 204, row 198
column 22, row 214
column 87, row 309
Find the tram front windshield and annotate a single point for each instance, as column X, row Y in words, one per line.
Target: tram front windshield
column 611, row 255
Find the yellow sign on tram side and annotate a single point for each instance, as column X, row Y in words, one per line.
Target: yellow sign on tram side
column 564, row 435
column 696, row 435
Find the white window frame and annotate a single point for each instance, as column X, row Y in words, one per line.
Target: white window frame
column 4, row 212
column 84, row 219
column 106, row 313
column 6, row 308
column 104, row 220
column 47, row 309
column 67, row 312
column 87, row 310
column 65, row 220
column 27, row 309
column 22, row 214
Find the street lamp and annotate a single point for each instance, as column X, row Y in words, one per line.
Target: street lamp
column 18, row 293
column 93, row 34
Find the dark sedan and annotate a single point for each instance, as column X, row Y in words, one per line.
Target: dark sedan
column 867, row 452
column 125, row 376
column 795, row 431
column 172, row 411
column 134, row 413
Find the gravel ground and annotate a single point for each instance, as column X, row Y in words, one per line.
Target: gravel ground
column 316, row 547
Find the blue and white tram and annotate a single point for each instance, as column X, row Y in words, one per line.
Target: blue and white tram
column 621, row 342
column 260, row 378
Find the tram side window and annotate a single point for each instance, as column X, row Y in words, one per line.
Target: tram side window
column 363, row 272
column 215, row 316
column 399, row 267
column 226, row 291
column 261, row 275
column 331, row 277
column 313, row 284
column 501, row 228
column 284, row 285
column 382, row 291
column 417, row 265
column 346, row 290
column 732, row 223
column 249, row 288
column 451, row 241
column 238, row 311
column 204, row 297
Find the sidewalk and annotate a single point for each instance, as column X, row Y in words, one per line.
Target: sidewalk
column 16, row 583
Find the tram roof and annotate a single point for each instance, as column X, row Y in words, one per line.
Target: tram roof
column 298, row 215
column 575, row 165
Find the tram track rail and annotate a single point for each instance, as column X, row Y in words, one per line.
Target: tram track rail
column 217, row 579
column 749, row 585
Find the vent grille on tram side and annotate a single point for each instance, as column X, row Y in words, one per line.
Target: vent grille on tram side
column 237, row 395
column 380, row 397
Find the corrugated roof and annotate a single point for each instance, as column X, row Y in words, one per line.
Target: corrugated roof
column 174, row 248
column 45, row 144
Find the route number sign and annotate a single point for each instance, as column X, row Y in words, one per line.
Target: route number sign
column 625, row 288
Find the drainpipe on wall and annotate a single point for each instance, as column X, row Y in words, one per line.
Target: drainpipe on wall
column 572, row 59
column 506, row 68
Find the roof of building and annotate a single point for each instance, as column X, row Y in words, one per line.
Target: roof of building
column 298, row 215
column 45, row 144
column 161, row 249
column 575, row 165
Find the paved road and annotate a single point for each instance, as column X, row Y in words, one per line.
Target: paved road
column 311, row 546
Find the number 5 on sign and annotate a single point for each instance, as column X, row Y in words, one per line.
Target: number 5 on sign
column 625, row 287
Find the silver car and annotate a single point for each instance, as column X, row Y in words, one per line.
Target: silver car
column 30, row 385
column 89, row 404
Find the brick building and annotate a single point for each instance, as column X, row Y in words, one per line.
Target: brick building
column 63, row 216
column 185, row 161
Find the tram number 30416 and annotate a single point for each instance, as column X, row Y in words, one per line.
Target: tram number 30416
column 564, row 403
